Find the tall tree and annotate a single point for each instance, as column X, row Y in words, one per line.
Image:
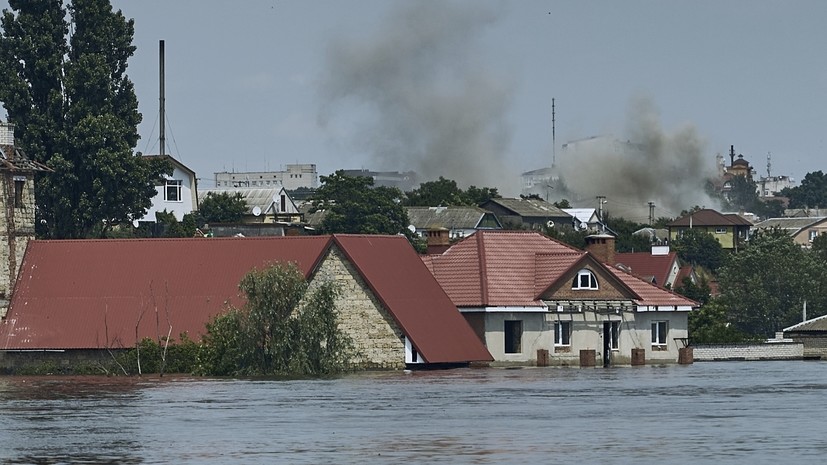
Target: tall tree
column 765, row 285
column 812, row 193
column 700, row 248
column 354, row 205
column 75, row 110
column 445, row 192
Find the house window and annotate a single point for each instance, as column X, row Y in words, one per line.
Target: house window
column 585, row 279
column 513, row 336
column 172, row 190
column 659, row 331
column 813, row 233
column 720, row 230
column 283, row 204
column 562, row 333
column 19, row 184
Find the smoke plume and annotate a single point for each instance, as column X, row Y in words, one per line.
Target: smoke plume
column 417, row 95
column 646, row 164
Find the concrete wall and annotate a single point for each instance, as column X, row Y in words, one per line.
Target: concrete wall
column 375, row 335
column 768, row 351
column 587, row 333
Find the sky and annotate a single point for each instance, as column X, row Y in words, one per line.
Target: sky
column 464, row 89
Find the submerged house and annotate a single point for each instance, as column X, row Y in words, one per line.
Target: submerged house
column 82, row 298
column 533, row 300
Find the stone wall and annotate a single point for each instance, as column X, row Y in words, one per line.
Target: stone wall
column 376, row 337
column 769, row 351
column 16, row 229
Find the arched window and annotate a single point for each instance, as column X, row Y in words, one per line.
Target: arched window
column 585, row 279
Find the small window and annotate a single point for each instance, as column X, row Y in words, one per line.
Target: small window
column 585, row 279
column 19, row 184
column 813, row 234
column 513, row 336
column 172, row 192
column 562, row 333
column 659, row 332
column 720, row 230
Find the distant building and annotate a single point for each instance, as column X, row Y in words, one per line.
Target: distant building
column 540, row 182
column 293, row 177
column 405, row 181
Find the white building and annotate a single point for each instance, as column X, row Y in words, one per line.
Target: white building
column 293, row 177
column 177, row 193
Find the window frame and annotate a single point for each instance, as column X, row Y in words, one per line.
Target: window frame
column 177, row 186
column 592, row 283
column 720, row 230
column 660, row 333
column 562, row 333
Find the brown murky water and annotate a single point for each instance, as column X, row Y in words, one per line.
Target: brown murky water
column 715, row 413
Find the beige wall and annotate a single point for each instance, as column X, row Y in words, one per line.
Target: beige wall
column 376, row 337
column 587, row 333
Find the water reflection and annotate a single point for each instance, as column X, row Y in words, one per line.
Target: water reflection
column 750, row 412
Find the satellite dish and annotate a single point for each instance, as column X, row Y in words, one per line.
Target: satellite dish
column 256, row 211
column 581, row 226
column 550, row 224
column 276, row 198
column 411, row 228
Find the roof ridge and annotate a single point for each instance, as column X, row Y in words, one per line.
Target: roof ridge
column 483, row 268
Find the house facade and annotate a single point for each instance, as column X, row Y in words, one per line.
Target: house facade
column 264, row 205
column 730, row 230
column 533, row 300
column 176, row 193
column 73, row 300
column 803, row 230
column 293, row 176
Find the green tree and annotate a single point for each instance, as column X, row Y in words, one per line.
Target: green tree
column 819, row 248
column 562, row 203
column 75, row 110
column 765, row 285
column 354, row 205
column 700, row 248
column 626, row 240
column 700, row 292
column 285, row 328
column 812, row 193
column 710, row 324
column 222, row 207
column 445, row 192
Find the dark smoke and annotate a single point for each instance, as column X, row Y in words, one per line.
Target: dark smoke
column 645, row 164
column 421, row 96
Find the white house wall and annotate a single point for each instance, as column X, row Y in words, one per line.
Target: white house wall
column 587, row 333
column 179, row 209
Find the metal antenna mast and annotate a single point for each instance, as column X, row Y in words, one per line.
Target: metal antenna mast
column 162, row 99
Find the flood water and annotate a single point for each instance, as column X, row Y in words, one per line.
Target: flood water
column 715, row 413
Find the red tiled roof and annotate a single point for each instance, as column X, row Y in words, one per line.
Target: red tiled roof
column 91, row 293
column 512, row 268
column 644, row 264
column 648, row 294
column 497, row 268
column 400, row 280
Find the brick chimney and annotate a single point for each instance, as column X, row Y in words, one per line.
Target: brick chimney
column 439, row 239
column 602, row 246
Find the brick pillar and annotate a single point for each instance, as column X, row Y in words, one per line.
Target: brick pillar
column 587, row 357
column 638, row 357
column 686, row 356
column 542, row 358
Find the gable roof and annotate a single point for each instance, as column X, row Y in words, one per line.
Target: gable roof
column 263, row 198
column 513, row 269
column 708, row 217
column 792, row 225
column 451, row 217
column 176, row 163
column 92, row 294
column 528, row 208
column 646, row 264
column 818, row 324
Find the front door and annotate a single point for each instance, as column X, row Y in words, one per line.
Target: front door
column 607, row 343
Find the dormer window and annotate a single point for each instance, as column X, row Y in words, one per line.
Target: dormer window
column 585, row 279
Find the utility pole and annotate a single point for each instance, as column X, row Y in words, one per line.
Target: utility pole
column 601, row 199
column 553, row 136
column 162, row 99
